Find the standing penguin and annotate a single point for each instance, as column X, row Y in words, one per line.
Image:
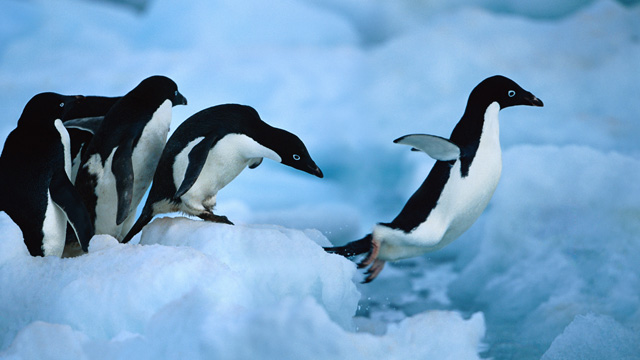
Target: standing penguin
column 207, row 151
column 120, row 160
column 82, row 121
column 457, row 189
column 35, row 190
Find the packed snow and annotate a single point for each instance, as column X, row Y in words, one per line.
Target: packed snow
column 549, row 270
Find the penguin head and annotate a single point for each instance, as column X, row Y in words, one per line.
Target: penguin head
column 47, row 106
column 160, row 87
column 292, row 152
column 504, row 91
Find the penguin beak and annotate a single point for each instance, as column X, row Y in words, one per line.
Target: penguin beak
column 313, row 169
column 533, row 100
column 179, row 99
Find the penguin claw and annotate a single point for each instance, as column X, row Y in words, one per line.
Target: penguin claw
column 371, row 255
column 374, row 271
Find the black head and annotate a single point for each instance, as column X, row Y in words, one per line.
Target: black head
column 502, row 90
column 292, row 152
column 160, row 87
column 46, row 106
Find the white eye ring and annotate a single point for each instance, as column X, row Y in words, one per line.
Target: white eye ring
column 511, row 93
column 296, row 157
column 61, row 104
column 175, row 93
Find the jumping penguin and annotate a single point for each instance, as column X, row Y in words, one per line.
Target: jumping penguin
column 121, row 158
column 457, row 189
column 35, row 190
column 207, row 151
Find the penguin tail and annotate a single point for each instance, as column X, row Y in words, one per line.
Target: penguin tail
column 353, row 248
column 143, row 220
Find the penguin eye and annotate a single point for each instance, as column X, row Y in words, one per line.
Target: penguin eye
column 511, row 93
column 175, row 93
column 296, row 157
column 61, row 104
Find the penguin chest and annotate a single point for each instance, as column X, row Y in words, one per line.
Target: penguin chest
column 146, row 153
column 54, row 229
column 224, row 162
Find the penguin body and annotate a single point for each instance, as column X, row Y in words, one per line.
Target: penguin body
column 459, row 186
column 120, row 160
column 207, row 151
column 35, row 190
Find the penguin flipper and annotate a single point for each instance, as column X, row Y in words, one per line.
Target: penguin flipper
column 88, row 124
column 122, row 168
column 437, row 147
column 256, row 163
column 144, row 219
column 197, row 158
column 67, row 198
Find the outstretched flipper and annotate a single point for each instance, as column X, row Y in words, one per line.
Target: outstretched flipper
column 122, row 168
column 197, row 158
column 65, row 196
column 88, row 124
column 437, row 147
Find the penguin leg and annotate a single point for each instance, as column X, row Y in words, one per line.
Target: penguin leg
column 353, row 248
column 371, row 255
column 209, row 216
column 374, row 270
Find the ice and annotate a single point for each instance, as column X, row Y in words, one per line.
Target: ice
column 595, row 337
column 203, row 290
column 548, row 270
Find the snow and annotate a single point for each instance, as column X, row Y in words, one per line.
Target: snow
column 548, row 271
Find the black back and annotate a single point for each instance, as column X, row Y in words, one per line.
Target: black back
column 466, row 135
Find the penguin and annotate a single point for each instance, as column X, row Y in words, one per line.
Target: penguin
column 458, row 188
column 35, row 190
column 82, row 121
column 122, row 156
column 207, row 151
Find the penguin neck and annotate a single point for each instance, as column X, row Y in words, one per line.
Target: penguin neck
column 479, row 126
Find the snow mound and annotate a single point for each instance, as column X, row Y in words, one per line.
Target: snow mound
column 194, row 290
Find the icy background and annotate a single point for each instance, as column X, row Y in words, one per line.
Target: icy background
column 549, row 271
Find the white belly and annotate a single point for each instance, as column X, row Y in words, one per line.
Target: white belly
column 54, row 229
column 147, row 152
column 461, row 202
column 225, row 162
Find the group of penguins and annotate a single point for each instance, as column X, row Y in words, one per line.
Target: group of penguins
column 76, row 166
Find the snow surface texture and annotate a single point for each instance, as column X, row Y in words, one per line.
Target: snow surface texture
column 548, row 271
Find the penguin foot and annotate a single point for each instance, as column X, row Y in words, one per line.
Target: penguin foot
column 215, row 218
column 371, row 255
column 374, row 270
